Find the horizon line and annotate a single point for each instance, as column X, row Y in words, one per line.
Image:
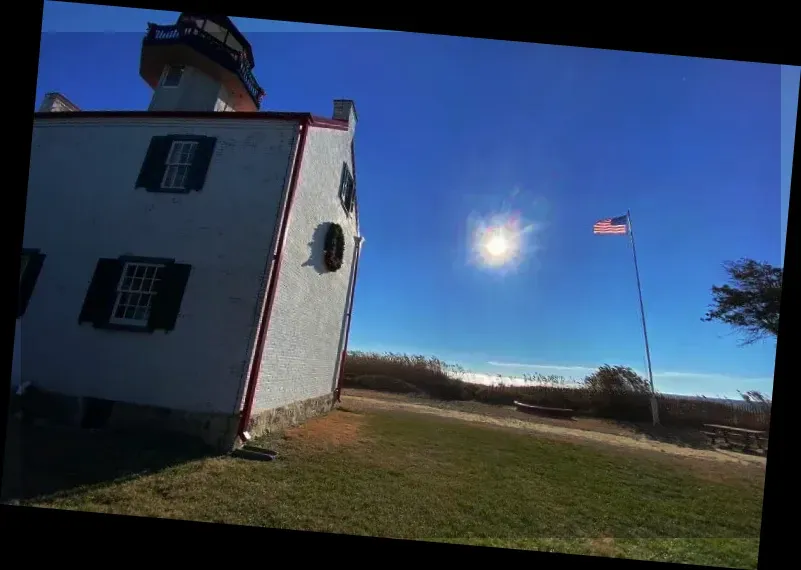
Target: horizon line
column 661, row 373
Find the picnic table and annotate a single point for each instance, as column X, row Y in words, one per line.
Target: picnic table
column 726, row 433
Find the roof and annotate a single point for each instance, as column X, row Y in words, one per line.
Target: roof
column 313, row 120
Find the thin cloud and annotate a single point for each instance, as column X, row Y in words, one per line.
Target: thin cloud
column 708, row 376
column 543, row 366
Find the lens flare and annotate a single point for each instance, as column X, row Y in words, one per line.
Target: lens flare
column 506, row 238
column 498, row 242
column 497, row 246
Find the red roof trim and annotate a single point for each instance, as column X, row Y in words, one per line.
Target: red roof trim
column 314, row 121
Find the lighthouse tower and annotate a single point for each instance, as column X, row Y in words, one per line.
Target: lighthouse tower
column 200, row 63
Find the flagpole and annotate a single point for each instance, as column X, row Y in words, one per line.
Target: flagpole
column 654, row 408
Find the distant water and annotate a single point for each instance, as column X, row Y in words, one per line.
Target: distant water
column 490, row 380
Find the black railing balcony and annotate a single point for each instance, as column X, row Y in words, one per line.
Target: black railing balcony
column 219, row 52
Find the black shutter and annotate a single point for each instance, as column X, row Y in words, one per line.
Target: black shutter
column 102, row 293
column 153, row 167
column 28, row 280
column 169, row 294
column 200, row 163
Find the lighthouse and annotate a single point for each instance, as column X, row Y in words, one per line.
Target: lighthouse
column 200, row 63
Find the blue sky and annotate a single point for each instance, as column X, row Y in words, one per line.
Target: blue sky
column 457, row 134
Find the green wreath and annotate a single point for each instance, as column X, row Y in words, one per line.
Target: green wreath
column 334, row 249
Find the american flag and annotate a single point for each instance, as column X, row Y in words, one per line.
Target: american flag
column 617, row 225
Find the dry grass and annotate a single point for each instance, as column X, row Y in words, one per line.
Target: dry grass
column 706, row 462
column 433, row 378
column 419, row 476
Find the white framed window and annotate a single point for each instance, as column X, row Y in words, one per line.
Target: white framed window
column 171, row 77
column 179, row 161
column 135, row 291
column 347, row 189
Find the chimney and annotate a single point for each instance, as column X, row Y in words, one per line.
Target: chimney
column 57, row 103
column 345, row 110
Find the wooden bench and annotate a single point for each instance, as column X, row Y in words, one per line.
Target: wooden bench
column 545, row 411
column 732, row 436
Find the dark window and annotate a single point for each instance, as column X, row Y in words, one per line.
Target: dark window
column 233, row 43
column 347, row 189
column 176, row 163
column 135, row 293
column 31, row 262
column 172, row 75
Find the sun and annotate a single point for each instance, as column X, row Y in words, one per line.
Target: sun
column 501, row 241
column 497, row 245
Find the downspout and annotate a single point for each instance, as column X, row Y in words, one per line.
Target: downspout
column 272, row 287
column 356, row 255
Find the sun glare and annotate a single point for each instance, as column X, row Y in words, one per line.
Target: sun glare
column 499, row 243
column 503, row 240
column 497, row 246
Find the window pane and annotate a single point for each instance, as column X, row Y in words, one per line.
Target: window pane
column 169, row 177
column 212, row 27
column 179, row 177
column 189, row 153
column 128, row 314
column 140, row 313
column 173, row 76
column 173, row 153
column 231, row 41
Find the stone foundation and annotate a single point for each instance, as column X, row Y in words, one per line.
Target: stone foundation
column 278, row 419
column 219, row 431
column 215, row 430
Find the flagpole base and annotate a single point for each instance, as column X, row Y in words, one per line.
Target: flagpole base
column 654, row 410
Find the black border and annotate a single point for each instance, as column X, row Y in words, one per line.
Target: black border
column 688, row 34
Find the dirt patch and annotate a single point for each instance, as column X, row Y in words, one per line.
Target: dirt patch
column 622, row 440
column 335, row 429
column 603, row 547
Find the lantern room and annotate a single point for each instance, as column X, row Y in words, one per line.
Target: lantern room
column 200, row 63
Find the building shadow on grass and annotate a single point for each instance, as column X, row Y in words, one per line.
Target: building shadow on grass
column 53, row 459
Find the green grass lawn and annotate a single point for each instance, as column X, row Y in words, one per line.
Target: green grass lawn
column 406, row 475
